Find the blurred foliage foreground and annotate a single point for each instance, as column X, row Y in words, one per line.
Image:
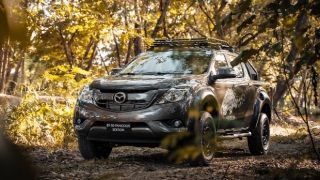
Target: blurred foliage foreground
column 44, row 117
column 40, row 122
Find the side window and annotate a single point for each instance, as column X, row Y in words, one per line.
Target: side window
column 252, row 72
column 219, row 61
column 238, row 68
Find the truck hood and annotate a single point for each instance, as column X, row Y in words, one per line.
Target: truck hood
column 145, row 82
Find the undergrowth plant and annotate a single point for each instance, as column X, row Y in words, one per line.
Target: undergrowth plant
column 35, row 122
column 44, row 118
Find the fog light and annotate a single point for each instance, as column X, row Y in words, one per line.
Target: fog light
column 177, row 123
column 82, row 125
column 78, row 121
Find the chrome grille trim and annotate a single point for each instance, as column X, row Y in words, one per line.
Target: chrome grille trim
column 134, row 101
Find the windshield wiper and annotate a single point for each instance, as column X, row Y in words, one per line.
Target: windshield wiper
column 153, row 73
column 128, row 74
column 162, row 73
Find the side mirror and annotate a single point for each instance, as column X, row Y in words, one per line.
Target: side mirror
column 223, row 73
column 115, row 71
column 226, row 70
column 255, row 77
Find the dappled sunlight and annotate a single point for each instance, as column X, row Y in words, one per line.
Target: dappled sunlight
column 161, row 87
column 276, row 130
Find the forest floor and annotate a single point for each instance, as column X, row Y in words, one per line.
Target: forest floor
column 290, row 157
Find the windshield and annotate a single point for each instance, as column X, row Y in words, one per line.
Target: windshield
column 169, row 62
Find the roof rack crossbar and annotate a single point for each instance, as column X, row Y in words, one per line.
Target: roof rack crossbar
column 192, row 41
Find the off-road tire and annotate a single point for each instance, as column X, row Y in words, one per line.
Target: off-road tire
column 204, row 139
column 258, row 142
column 93, row 149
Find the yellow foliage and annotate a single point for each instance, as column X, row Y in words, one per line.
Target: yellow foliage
column 290, row 21
column 71, row 76
column 185, row 153
column 193, row 113
column 301, row 42
column 78, row 70
column 171, row 141
column 209, row 108
column 49, row 76
column 36, row 123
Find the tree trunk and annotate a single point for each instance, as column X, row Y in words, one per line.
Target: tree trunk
column 128, row 51
column 9, row 67
column 145, row 23
column 220, row 32
column 165, row 32
column 14, row 81
column 282, row 84
column 117, row 50
column 161, row 18
column 66, row 47
column 93, row 55
column 4, row 66
column 1, row 60
column 137, row 26
column 92, row 41
column 22, row 70
column 298, row 97
column 130, row 43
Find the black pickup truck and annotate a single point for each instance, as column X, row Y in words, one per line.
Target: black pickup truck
column 178, row 85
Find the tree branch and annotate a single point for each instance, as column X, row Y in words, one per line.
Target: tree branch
column 65, row 46
column 93, row 55
column 161, row 18
column 87, row 51
column 201, row 4
column 190, row 25
column 117, row 50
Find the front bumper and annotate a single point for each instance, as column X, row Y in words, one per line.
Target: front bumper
column 148, row 125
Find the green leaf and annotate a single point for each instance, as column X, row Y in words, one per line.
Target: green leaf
column 247, row 40
column 265, row 46
column 244, row 6
column 275, row 48
column 301, row 42
column 226, row 20
column 270, row 23
column 290, row 21
column 308, row 59
column 244, row 56
column 245, row 23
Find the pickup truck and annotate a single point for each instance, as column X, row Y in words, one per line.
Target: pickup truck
column 176, row 86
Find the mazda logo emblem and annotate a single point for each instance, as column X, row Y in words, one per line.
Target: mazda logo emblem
column 119, row 97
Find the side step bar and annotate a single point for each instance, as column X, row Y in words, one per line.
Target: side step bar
column 232, row 136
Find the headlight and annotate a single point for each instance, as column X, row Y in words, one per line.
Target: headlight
column 85, row 95
column 174, row 95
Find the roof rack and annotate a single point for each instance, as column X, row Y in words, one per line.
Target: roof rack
column 193, row 42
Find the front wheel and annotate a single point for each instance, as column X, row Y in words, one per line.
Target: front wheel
column 93, row 149
column 258, row 142
column 205, row 139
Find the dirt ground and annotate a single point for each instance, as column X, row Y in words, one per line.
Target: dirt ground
column 289, row 157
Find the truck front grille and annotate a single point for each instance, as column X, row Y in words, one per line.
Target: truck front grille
column 134, row 100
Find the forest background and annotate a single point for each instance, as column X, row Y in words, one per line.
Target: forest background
column 51, row 48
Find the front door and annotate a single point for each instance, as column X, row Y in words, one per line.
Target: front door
column 231, row 95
